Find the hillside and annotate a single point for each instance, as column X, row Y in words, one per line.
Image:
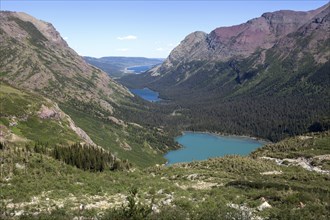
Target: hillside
column 287, row 180
column 27, row 116
column 35, row 59
column 262, row 78
column 75, row 144
column 117, row 66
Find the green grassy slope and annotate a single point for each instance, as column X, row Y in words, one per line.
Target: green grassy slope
column 145, row 146
column 35, row 183
column 19, row 116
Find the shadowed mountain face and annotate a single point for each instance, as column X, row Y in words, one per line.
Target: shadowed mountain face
column 279, row 60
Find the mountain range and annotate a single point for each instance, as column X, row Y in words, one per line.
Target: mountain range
column 268, row 77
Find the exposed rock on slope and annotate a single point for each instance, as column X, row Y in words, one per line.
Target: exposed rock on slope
column 30, row 117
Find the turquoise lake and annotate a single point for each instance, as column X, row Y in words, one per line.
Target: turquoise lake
column 201, row 146
column 146, row 94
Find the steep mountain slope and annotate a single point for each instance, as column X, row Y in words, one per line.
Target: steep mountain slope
column 117, row 66
column 235, row 42
column 268, row 77
column 35, row 58
column 26, row 116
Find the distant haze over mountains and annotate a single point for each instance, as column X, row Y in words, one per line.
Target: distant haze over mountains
column 117, row 66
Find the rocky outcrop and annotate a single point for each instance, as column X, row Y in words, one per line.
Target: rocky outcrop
column 80, row 132
column 117, row 121
column 49, row 113
column 125, row 146
column 264, row 205
column 303, row 162
column 53, row 112
column 193, row 46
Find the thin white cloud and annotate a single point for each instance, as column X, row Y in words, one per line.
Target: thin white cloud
column 122, row 49
column 160, row 49
column 65, row 38
column 128, row 37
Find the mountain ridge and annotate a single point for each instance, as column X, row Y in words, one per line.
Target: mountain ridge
column 292, row 69
column 40, row 71
column 241, row 40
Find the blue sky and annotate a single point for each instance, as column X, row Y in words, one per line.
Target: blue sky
column 143, row 28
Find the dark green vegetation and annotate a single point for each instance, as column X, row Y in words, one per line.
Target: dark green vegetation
column 142, row 146
column 33, row 182
column 84, row 157
column 116, row 66
column 301, row 146
column 214, row 101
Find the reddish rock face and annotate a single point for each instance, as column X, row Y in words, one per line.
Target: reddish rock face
column 243, row 39
column 240, row 41
column 259, row 33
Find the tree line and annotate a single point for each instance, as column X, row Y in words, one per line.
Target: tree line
column 85, row 157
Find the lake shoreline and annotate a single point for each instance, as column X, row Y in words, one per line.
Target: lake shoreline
column 126, row 70
column 146, row 94
column 215, row 134
column 228, row 135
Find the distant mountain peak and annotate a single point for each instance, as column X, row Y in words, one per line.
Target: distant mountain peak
column 47, row 29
